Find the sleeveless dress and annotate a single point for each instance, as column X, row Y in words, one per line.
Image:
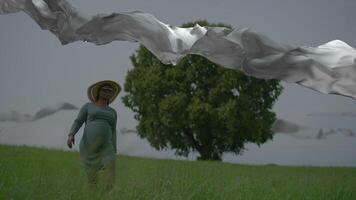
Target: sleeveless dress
column 98, row 144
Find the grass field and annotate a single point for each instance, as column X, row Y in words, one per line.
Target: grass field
column 38, row 173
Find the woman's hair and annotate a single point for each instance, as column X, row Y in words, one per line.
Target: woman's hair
column 103, row 85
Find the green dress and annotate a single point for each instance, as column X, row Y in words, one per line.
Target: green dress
column 98, row 144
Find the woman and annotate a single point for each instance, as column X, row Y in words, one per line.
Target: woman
column 98, row 145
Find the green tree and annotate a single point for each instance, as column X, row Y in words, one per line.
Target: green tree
column 197, row 105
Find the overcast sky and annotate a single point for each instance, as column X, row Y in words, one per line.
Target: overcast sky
column 37, row 71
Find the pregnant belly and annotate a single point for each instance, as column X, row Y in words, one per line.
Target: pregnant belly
column 98, row 131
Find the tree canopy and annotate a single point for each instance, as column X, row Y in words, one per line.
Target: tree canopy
column 197, row 105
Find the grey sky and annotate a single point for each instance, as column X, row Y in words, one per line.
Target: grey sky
column 37, row 71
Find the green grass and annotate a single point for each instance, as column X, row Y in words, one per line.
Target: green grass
column 37, row 173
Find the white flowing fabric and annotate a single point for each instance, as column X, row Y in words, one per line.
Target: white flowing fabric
column 328, row 68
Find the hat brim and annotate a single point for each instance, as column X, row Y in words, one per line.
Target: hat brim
column 93, row 90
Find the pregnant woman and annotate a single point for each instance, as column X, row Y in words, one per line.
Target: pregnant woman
column 98, row 145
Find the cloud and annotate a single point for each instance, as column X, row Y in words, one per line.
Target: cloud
column 337, row 114
column 44, row 112
column 325, row 133
column 284, row 126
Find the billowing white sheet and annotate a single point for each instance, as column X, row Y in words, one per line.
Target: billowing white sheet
column 328, row 68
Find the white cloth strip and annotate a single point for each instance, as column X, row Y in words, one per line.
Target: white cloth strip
column 329, row 68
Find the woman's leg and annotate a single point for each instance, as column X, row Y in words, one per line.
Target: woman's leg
column 109, row 169
column 92, row 176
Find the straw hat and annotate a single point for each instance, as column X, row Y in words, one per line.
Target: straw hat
column 93, row 90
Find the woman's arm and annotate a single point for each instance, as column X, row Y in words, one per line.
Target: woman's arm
column 114, row 132
column 114, row 139
column 78, row 122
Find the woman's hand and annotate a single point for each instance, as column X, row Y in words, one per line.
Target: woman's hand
column 70, row 141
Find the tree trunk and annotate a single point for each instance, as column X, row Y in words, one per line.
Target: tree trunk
column 207, row 154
